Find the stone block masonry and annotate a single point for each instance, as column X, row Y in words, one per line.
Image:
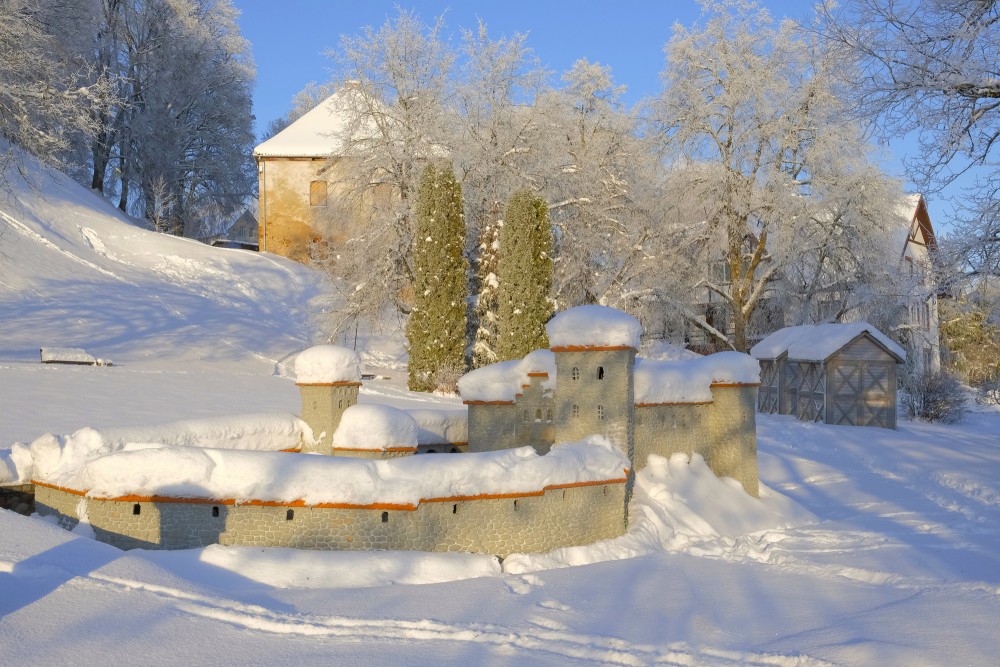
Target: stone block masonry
column 553, row 517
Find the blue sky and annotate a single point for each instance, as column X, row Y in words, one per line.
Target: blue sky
column 290, row 39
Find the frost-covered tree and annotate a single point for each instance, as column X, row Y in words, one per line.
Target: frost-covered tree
column 524, row 274
column 48, row 90
column 435, row 330
column 494, row 149
column 176, row 132
column 594, row 170
column 484, row 345
column 400, row 74
column 785, row 213
column 932, row 68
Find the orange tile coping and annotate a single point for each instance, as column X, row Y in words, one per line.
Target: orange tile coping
column 653, row 405
column 379, row 449
column 590, row 348
column 328, row 384
column 538, row 374
column 346, row 506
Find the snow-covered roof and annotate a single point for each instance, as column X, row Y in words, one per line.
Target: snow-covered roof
column 820, row 341
column 594, row 326
column 503, row 381
column 375, row 426
column 901, row 227
column 690, row 380
column 326, row 364
column 321, row 131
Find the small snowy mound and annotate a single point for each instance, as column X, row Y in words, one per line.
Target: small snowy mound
column 594, row 326
column 374, row 426
column 690, row 381
column 325, row 364
column 502, row 381
column 680, row 505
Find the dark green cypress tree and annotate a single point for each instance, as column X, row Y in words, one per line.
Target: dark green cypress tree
column 436, row 327
column 524, row 272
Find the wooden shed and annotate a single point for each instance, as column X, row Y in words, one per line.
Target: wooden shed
column 834, row 373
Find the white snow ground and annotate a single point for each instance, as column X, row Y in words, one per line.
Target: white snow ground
column 869, row 547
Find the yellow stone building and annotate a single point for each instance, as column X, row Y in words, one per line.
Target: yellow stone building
column 304, row 178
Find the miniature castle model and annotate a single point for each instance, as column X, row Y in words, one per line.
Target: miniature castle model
column 554, row 440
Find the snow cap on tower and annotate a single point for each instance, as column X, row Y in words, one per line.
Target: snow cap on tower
column 593, row 327
column 327, row 364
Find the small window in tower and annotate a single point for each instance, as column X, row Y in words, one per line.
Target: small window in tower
column 600, row 412
column 136, row 509
column 385, row 517
column 340, row 405
column 576, row 412
column 317, row 193
column 548, row 415
column 600, row 372
column 454, row 509
column 575, row 374
column 289, row 515
column 538, row 415
column 215, row 510
column 527, row 416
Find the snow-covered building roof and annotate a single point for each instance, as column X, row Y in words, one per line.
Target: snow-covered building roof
column 819, row 342
column 326, row 364
column 322, row 131
column 594, row 326
column 690, row 380
column 502, row 382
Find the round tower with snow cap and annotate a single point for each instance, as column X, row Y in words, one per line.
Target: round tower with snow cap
column 328, row 377
column 595, row 350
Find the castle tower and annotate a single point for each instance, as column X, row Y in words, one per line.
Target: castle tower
column 328, row 378
column 595, row 350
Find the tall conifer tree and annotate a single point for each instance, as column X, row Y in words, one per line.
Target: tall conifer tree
column 524, row 272
column 436, row 328
column 484, row 347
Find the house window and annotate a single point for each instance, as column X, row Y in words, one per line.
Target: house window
column 927, row 316
column 317, row 193
column 576, row 412
column 548, row 415
column 538, row 415
column 526, row 416
column 576, row 373
column 600, row 412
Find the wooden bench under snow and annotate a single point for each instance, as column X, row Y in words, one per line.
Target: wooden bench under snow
column 70, row 355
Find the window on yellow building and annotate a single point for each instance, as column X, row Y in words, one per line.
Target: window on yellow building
column 317, row 193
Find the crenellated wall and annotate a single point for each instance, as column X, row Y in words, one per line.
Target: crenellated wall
column 557, row 516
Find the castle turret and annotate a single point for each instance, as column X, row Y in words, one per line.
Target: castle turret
column 595, row 350
column 328, row 377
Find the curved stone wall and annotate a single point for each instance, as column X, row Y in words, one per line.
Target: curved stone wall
column 557, row 516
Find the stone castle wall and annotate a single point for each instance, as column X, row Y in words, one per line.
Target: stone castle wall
column 558, row 516
column 724, row 431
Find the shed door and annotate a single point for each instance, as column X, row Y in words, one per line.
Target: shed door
column 861, row 394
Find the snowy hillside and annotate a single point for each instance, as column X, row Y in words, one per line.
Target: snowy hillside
column 867, row 547
column 74, row 272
